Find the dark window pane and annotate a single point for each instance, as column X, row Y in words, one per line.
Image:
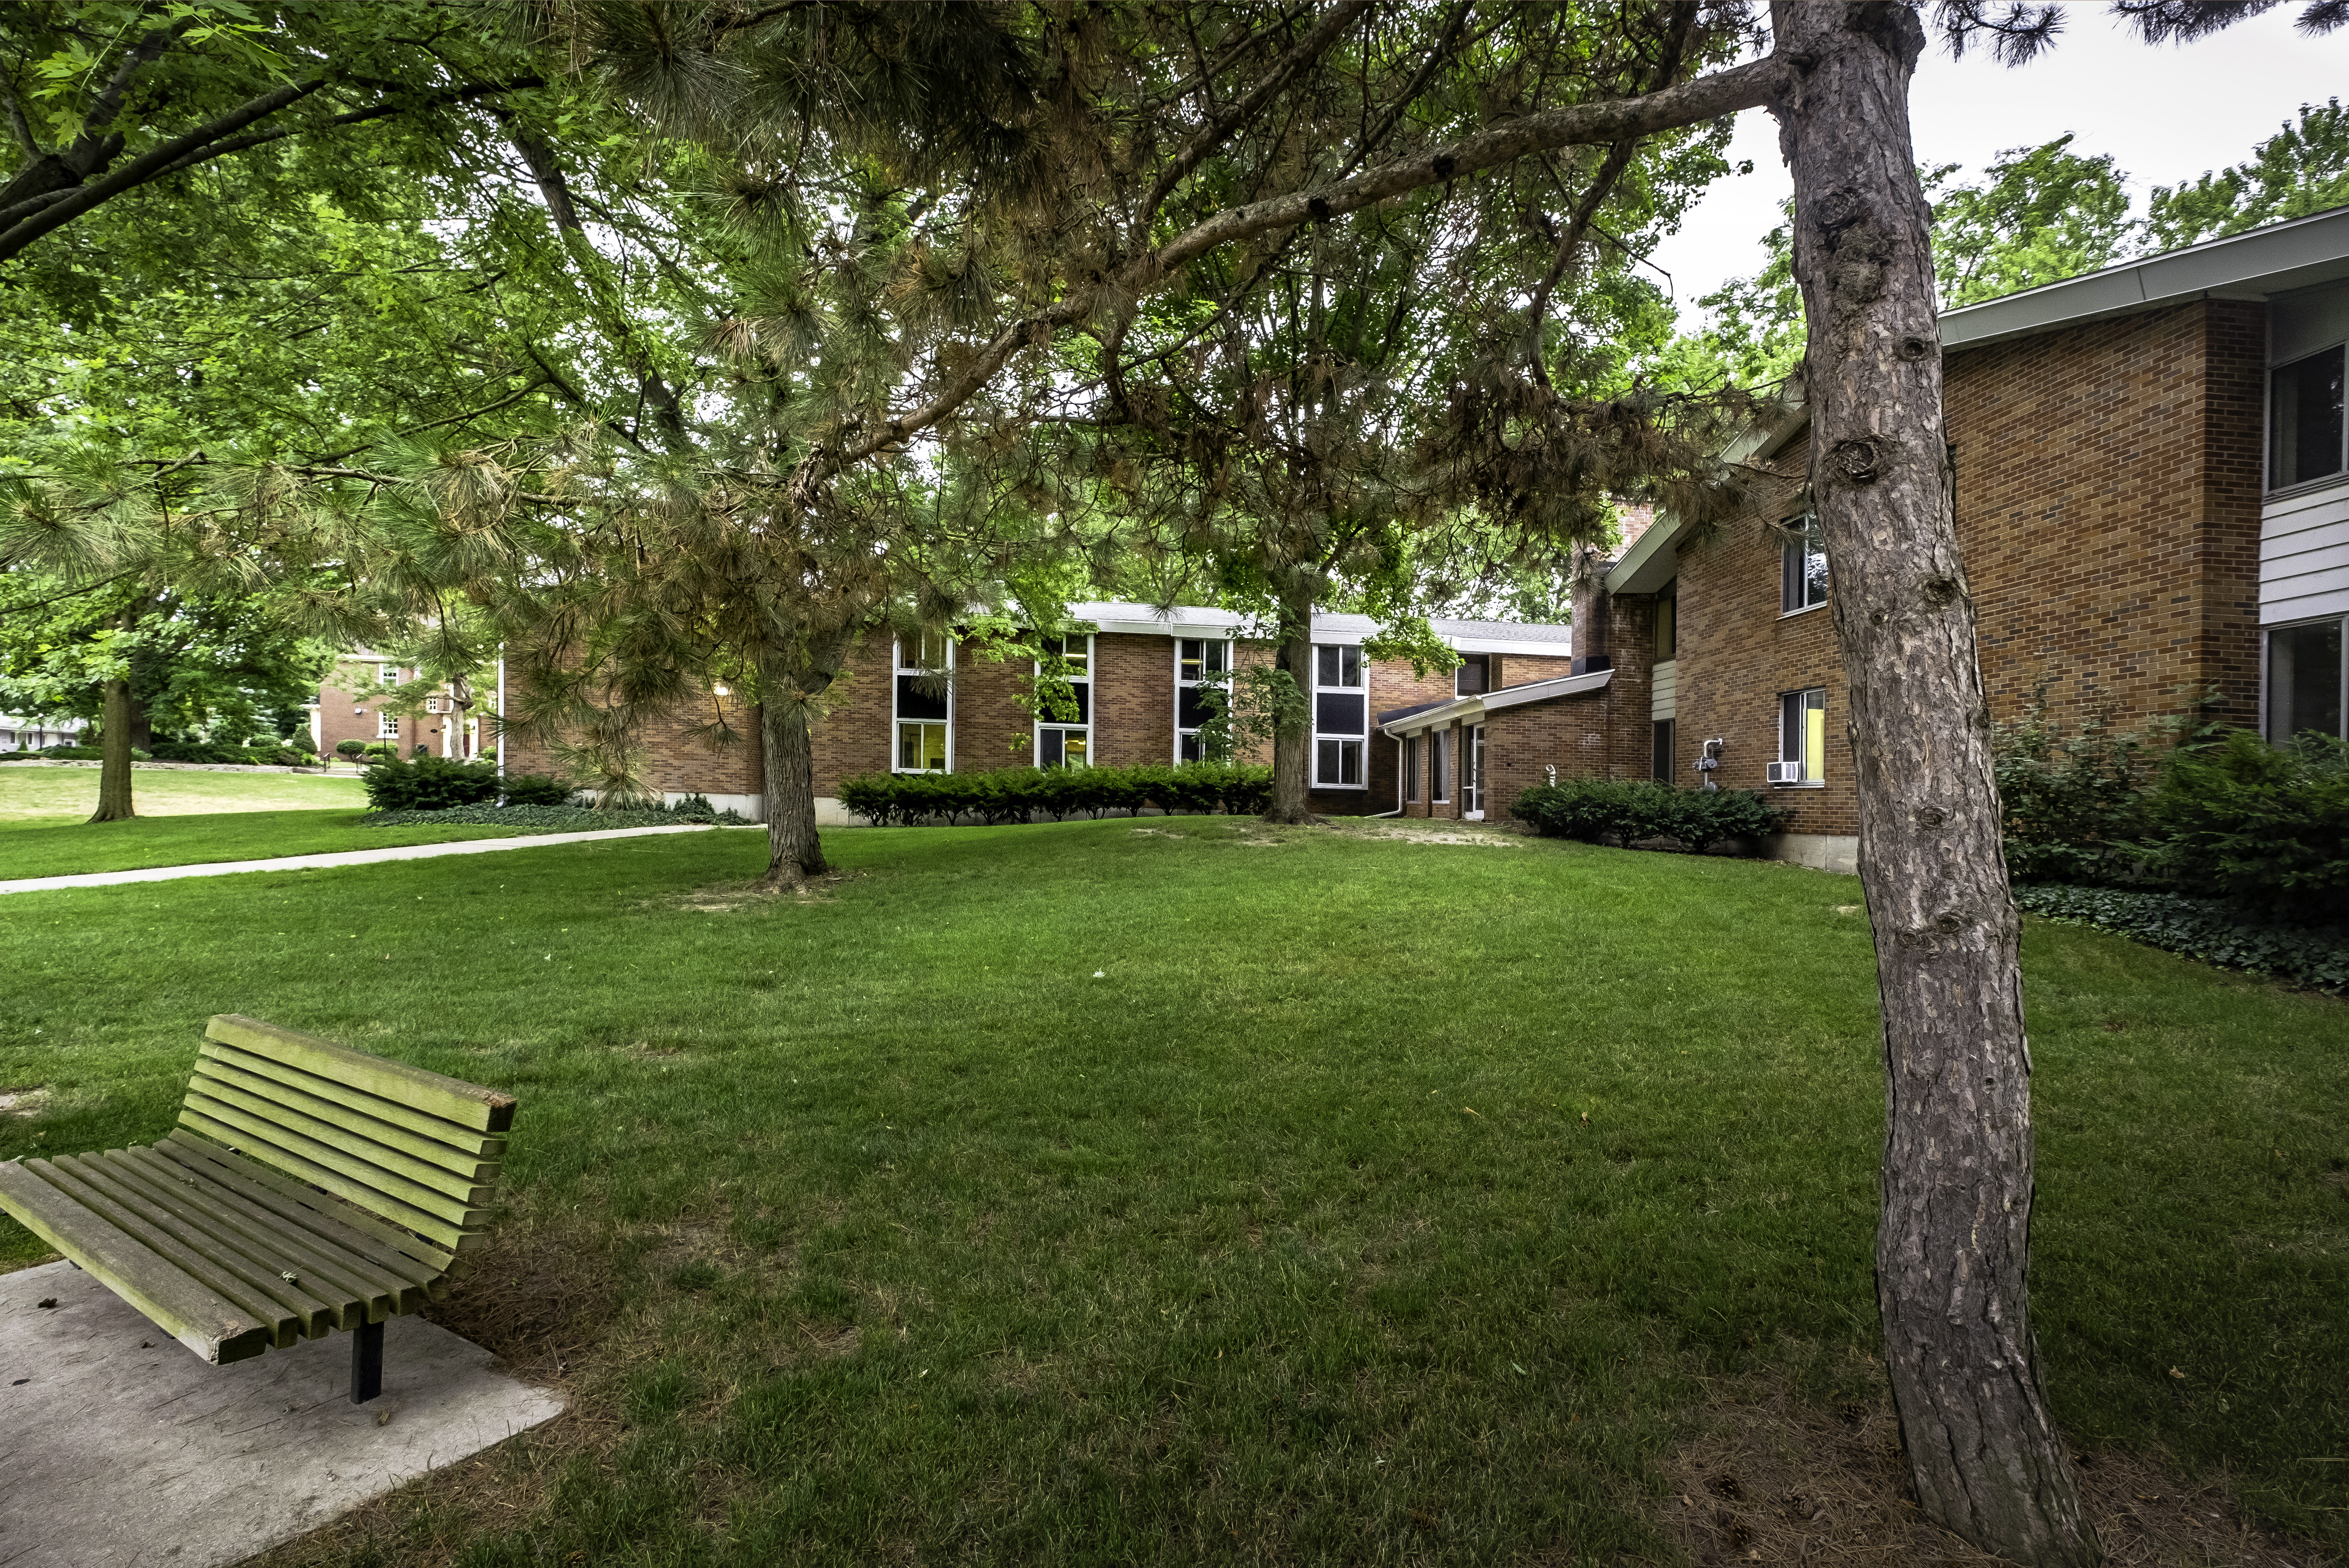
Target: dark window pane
column 1411, row 768
column 1790, row 727
column 1350, row 762
column 1664, row 749
column 2305, row 680
column 1470, row 678
column 1667, row 628
column 1190, row 748
column 1350, row 666
column 2304, row 418
column 1190, row 708
column 1814, row 572
column 912, row 703
column 1325, row 762
column 1338, row 712
column 1325, row 663
column 1049, row 750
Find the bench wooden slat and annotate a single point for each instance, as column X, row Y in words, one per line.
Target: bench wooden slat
column 356, row 1141
column 343, row 1225
column 255, row 1281
column 357, row 1291
column 430, row 1226
column 362, row 1181
column 451, row 1135
column 467, row 1104
column 185, row 1308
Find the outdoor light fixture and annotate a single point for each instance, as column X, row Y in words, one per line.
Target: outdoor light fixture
column 724, row 691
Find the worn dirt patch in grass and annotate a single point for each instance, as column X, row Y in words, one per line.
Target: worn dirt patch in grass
column 1766, row 1477
column 726, row 897
column 24, row 1102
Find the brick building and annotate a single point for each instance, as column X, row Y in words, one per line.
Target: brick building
column 351, row 707
column 944, row 704
column 2153, row 503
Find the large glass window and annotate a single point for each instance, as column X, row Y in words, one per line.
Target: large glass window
column 1340, row 716
column 1439, row 766
column 1803, row 733
column 387, row 726
column 1203, row 666
column 924, row 703
column 1411, row 778
column 1475, row 675
column 1668, row 625
column 1663, row 744
column 1064, row 708
column 1802, row 565
column 2304, row 420
column 2304, row 680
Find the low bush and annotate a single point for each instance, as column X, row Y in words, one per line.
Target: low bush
column 429, row 784
column 2210, row 929
column 1637, row 811
column 2071, row 808
column 536, row 789
column 379, row 751
column 574, row 818
column 1025, row 795
column 2266, row 827
column 350, row 748
column 198, row 752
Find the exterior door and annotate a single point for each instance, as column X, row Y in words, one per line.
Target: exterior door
column 1471, row 770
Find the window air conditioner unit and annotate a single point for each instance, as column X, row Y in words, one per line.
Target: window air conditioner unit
column 1784, row 773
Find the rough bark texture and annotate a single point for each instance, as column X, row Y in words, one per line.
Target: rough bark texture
column 787, row 696
column 1292, row 742
column 114, row 761
column 1953, row 1243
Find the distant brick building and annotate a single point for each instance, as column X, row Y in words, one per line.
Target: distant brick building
column 352, row 707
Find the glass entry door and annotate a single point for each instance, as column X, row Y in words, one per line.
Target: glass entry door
column 1472, row 771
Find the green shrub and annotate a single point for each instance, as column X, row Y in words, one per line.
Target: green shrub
column 2210, row 930
column 377, row 751
column 1637, row 811
column 1028, row 794
column 429, row 784
column 2265, row 825
column 574, row 818
column 536, row 789
column 350, row 748
column 2073, row 809
column 198, row 752
column 81, row 754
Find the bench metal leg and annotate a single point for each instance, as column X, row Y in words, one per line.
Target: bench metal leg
column 366, row 1363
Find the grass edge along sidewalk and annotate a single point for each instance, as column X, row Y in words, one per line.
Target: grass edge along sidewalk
column 1188, row 1190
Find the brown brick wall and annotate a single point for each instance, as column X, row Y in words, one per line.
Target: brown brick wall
column 1133, row 699
column 992, row 728
column 1525, row 668
column 854, row 736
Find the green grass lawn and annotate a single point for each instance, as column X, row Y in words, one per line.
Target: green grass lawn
column 1106, row 1192
column 185, row 819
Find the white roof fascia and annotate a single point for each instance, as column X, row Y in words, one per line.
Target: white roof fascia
column 2252, row 266
column 1471, row 709
column 1654, row 558
column 1505, row 645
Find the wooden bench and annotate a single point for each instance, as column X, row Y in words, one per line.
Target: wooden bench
column 308, row 1187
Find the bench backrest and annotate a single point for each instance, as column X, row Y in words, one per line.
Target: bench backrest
column 416, row 1148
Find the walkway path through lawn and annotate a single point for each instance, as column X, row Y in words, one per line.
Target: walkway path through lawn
column 343, row 857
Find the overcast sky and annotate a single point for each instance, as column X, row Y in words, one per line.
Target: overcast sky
column 2165, row 114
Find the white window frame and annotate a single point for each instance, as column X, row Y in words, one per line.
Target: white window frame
column 2267, row 460
column 387, row 726
column 1814, row 767
column 2267, row 684
column 1802, row 534
column 1221, row 678
column 387, row 674
column 898, row 667
column 1084, row 730
column 1472, row 773
column 1349, row 660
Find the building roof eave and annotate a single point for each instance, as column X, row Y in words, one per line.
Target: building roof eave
column 1469, row 710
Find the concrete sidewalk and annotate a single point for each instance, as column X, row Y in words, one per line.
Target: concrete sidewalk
column 341, row 857
column 123, row 1450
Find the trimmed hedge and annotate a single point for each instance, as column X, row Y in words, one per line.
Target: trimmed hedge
column 1023, row 794
column 575, row 818
column 74, row 754
column 429, row 784
column 2210, row 930
column 537, row 789
column 2267, row 827
column 1636, row 811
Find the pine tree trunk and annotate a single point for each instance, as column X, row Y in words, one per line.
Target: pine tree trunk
column 1292, row 740
column 114, row 761
column 786, row 698
column 1953, row 1243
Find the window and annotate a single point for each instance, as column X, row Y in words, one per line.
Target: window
column 1803, row 731
column 1473, row 676
column 2304, row 680
column 1472, row 774
column 1803, row 566
column 387, row 726
column 1411, row 767
column 924, row 703
column 1064, row 720
column 1668, row 625
column 1340, row 716
column 1439, row 766
column 1663, row 759
column 387, row 674
column 2304, row 420
column 1202, row 665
